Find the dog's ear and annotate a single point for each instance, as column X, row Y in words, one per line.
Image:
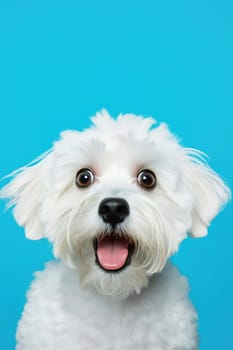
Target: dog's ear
column 25, row 192
column 209, row 192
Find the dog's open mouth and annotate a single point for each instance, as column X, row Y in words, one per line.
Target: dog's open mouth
column 113, row 252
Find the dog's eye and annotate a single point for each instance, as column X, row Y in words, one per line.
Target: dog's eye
column 146, row 179
column 84, row 178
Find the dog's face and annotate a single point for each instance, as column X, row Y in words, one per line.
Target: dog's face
column 116, row 200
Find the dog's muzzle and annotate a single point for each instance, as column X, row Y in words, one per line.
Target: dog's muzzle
column 113, row 250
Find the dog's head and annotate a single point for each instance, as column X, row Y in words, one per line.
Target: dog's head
column 116, row 200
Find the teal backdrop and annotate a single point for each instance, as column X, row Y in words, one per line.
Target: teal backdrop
column 61, row 61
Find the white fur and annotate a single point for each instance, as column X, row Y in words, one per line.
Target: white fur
column 64, row 310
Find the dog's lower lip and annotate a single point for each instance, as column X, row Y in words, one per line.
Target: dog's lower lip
column 113, row 253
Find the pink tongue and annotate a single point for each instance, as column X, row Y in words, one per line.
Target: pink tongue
column 112, row 252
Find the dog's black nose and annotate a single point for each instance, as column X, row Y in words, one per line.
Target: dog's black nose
column 114, row 210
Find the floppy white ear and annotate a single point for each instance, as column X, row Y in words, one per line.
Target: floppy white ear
column 25, row 192
column 209, row 191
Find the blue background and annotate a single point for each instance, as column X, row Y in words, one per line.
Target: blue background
column 61, row 61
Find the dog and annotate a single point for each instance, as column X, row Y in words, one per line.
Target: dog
column 116, row 200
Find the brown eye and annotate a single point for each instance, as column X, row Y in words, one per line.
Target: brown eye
column 147, row 179
column 84, row 178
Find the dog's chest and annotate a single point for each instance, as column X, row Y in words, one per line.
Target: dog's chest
column 59, row 315
column 101, row 321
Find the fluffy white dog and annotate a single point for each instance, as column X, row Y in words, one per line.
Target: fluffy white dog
column 116, row 200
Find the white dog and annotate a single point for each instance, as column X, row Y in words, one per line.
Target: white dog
column 116, row 200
